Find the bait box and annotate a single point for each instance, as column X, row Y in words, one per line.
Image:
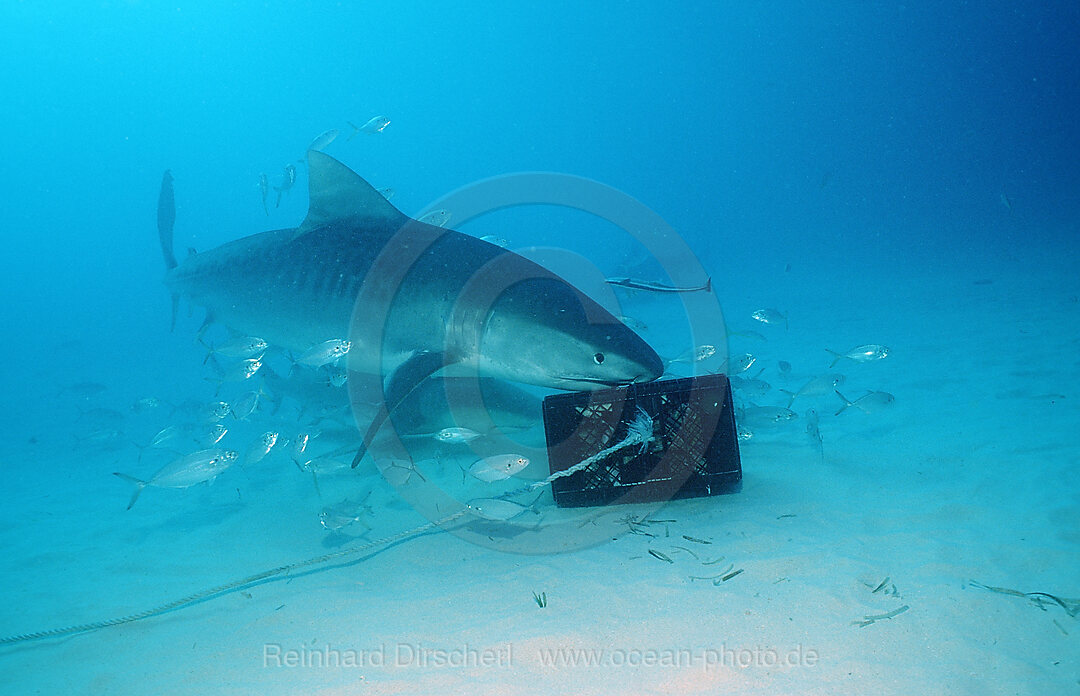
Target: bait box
column 694, row 451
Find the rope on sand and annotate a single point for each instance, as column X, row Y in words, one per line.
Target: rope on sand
column 197, row 597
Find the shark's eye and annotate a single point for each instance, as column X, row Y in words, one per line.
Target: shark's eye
column 598, row 358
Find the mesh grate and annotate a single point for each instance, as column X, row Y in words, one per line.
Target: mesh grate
column 694, row 451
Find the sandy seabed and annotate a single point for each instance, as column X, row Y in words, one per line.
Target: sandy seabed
column 969, row 476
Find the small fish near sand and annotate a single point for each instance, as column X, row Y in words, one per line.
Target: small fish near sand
column 197, row 467
column 755, row 417
column 860, row 354
column 871, row 402
column 456, row 436
column 817, row 386
column 336, row 517
column 495, row 510
column 813, row 431
column 653, row 286
column 498, row 467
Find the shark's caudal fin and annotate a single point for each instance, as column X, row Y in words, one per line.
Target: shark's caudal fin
column 166, row 218
column 138, row 483
column 337, row 192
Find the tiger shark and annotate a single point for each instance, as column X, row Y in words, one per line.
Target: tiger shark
column 414, row 299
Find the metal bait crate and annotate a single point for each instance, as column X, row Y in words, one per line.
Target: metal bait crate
column 693, row 452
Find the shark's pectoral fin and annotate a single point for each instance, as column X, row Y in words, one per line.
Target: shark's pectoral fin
column 399, row 385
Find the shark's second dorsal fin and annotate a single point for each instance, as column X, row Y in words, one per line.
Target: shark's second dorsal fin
column 337, row 192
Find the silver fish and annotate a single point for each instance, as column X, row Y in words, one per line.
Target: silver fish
column 495, row 509
column 702, row 352
column 104, row 438
column 817, row 386
column 376, row 124
column 436, row 218
column 770, row 316
column 456, row 436
column 288, row 178
column 169, row 435
column 751, row 387
column 241, row 371
column 323, row 139
column 397, row 472
column 260, row 448
column 214, row 411
column 299, row 444
column 264, row 189
column 204, row 465
column 498, row 467
column 766, row 416
column 386, row 192
column 243, row 407
column 240, row 348
column 871, row 402
column 496, row 240
column 637, row 284
column 324, row 465
column 336, row 517
column 210, row 435
column 813, row 431
column 337, row 377
column 146, row 404
column 861, row 354
column 325, row 353
column 738, row 363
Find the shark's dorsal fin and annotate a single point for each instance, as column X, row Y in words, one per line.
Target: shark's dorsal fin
column 337, row 192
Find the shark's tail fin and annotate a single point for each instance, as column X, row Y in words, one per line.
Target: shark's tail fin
column 166, row 218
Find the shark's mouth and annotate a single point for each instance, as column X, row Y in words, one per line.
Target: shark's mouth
column 597, row 380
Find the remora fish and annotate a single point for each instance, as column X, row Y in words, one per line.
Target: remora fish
column 635, row 284
column 425, row 297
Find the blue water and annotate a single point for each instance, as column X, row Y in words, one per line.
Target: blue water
column 894, row 173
